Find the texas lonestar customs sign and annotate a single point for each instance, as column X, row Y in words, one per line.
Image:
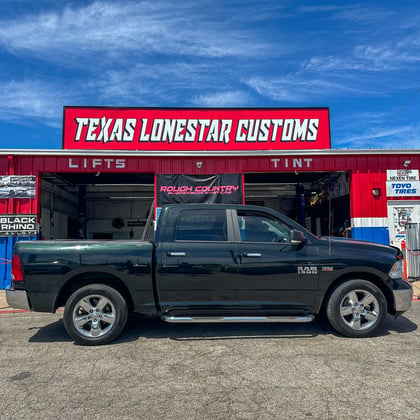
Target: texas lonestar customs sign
column 186, row 129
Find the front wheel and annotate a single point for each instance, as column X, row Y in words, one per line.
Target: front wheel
column 357, row 308
column 95, row 314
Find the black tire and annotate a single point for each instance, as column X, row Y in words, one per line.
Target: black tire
column 95, row 314
column 356, row 308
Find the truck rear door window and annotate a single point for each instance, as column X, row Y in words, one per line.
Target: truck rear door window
column 196, row 226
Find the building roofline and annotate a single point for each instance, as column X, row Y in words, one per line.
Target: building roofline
column 218, row 153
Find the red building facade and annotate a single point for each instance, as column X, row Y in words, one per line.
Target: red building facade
column 111, row 159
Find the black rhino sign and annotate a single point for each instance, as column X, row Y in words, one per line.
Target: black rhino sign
column 18, row 224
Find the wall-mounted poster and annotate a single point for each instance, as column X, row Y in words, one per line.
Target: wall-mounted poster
column 17, row 186
column 18, row 225
column 401, row 214
column 191, row 189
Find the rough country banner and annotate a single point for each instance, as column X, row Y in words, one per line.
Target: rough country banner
column 182, row 129
column 186, row 189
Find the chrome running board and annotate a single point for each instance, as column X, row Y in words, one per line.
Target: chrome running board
column 221, row 319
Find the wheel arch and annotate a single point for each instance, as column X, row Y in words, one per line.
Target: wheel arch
column 377, row 281
column 96, row 277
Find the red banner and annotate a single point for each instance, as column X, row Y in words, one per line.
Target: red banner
column 182, row 129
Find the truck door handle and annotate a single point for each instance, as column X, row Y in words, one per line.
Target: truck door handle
column 176, row 254
column 253, row 254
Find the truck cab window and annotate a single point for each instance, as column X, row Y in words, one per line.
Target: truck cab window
column 260, row 228
column 193, row 226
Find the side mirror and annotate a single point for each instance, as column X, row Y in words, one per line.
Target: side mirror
column 297, row 238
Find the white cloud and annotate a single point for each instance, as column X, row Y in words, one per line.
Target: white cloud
column 113, row 30
column 321, row 64
column 173, row 85
column 222, row 99
column 395, row 137
column 301, row 88
column 28, row 99
column 366, row 58
column 386, row 56
column 371, row 38
column 353, row 13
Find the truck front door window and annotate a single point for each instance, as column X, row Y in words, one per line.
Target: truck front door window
column 259, row 228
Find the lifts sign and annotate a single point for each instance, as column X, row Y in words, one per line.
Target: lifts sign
column 158, row 129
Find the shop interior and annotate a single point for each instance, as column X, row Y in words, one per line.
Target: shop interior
column 121, row 206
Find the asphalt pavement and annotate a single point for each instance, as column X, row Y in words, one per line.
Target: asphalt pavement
column 156, row 370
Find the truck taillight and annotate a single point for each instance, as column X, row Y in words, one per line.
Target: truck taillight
column 17, row 272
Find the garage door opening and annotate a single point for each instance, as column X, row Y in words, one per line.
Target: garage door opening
column 320, row 201
column 120, row 206
column 97, row 206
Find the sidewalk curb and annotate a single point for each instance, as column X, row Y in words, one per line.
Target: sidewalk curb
column 19, row 311
column 12, row 311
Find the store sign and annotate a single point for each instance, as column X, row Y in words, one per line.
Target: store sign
column 96, row 163
column 403, row 188
column 17, row 186
column 18, row 224
column 402, row 175
column 146, row 129
column 191, row 189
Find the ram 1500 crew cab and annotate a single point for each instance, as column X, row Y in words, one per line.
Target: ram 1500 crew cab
column 211, row 263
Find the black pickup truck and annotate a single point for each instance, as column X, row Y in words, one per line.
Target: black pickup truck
column 211, row 263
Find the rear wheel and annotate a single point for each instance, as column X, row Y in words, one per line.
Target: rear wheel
column 357, row 308
column 95, row 314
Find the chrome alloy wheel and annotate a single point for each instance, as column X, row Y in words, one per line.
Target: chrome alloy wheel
column 359, row 309
column 94, row 316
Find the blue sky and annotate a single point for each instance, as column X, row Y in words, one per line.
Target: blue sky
column 362, row 60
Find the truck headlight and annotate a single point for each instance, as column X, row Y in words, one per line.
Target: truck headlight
column 396, row 270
